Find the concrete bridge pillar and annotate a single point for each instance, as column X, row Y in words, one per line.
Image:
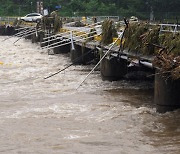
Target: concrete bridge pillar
column 113, row 68
column 61, row 49
column 166, row 93
column 81, row 55
column 35, row 37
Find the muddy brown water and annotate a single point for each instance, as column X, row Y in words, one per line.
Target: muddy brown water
column 51, row 116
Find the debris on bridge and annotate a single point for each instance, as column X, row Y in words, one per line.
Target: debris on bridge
column 108, row 32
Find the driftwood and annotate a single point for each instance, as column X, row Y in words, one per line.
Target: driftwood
column 147, row 39
column 168, row 64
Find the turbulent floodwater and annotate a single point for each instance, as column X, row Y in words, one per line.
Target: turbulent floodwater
column 51, row 116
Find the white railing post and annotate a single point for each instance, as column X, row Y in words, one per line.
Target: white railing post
column 72, row 42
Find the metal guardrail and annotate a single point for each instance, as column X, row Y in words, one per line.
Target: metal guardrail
column 115, row 18
column 7, row 20
column 99, row 18
column 173, row 28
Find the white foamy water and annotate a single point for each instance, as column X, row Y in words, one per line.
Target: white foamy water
column 51, row 116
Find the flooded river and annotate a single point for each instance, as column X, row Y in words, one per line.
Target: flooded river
column 51, row 117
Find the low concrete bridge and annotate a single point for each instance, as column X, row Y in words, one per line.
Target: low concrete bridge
column 84, row 45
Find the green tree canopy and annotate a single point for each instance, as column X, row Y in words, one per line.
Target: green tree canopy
column 127, row 8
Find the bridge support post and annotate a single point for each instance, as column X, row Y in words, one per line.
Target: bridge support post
column 81, row 54
column 166, row 93
column 113, row 68
column 61, row 49
column 7, row 30
column 75, row 53
column 2, row 30
column 29, row 37
column 41, row 39
column 10, row 30
column 35, row 37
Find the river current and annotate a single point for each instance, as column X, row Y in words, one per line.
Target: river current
column 39, row 116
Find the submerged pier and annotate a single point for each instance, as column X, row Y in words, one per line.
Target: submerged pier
column 133, row 51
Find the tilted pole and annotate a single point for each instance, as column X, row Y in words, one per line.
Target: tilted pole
column 98, row 62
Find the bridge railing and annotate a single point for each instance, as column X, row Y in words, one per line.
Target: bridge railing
column 172, row 28
column 7, row 20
